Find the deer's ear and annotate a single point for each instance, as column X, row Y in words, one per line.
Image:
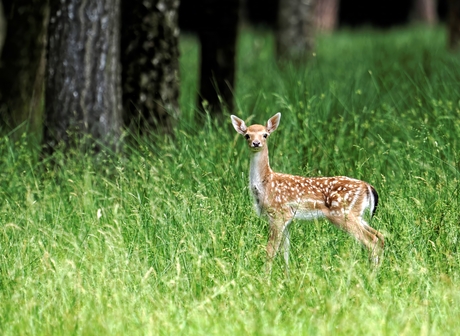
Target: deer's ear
column 273, row 123
column 239, row 125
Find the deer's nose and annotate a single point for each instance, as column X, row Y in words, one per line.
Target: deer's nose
column 256, row 143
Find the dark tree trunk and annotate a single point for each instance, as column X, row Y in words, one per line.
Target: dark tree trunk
column 2, row 28
column 425, row 11
column 83, row 95
column 150, row 63
column 326, row 15
column 295, row 31
column 217, row 30
column 22, row 64
column 454, row 24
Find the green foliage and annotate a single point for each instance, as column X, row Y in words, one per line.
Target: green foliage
column 164, row 240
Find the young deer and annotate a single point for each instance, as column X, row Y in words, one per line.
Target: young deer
column 282, row 197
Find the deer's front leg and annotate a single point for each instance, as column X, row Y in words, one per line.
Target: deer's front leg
column 286, row 247
column 277, row 234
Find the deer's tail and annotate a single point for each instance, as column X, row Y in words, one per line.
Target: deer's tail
column 374, row 199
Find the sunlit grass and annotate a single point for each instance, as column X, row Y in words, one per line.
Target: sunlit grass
column 163, row 239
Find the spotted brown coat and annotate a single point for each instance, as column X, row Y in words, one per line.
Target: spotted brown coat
column 283, row 197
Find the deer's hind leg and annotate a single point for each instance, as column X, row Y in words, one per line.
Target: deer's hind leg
column 358, row 228
column 377, row 242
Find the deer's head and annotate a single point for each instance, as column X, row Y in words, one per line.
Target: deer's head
column 256, row 135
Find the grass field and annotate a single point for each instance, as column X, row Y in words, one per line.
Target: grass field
column 164, row 240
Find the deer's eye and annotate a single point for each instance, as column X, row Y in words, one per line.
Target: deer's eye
column 265, row 135
column 246, row 136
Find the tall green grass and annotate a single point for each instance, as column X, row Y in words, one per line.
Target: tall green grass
column 163, row 239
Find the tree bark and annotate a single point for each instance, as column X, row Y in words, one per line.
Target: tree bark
column 83, row 95
column 326, row 13
column 217, row 31
column 2, row 28
column 454, row 25
column 295, row 31
column 425, row 11
column 150, row 63
column 22, row 64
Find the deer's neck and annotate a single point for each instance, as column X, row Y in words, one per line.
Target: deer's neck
column 259, row 171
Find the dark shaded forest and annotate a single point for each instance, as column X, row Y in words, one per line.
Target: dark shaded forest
column 71, row 70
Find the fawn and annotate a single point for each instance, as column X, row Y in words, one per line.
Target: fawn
column 283, row 197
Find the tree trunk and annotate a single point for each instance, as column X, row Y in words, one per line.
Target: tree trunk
column 150, row 63
column 83, row 95
column 217, row 30
column 2, row 28
column 425, row 11
column 295, row 31
column 326, row 13
column 22, row 64
column 454, row 24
